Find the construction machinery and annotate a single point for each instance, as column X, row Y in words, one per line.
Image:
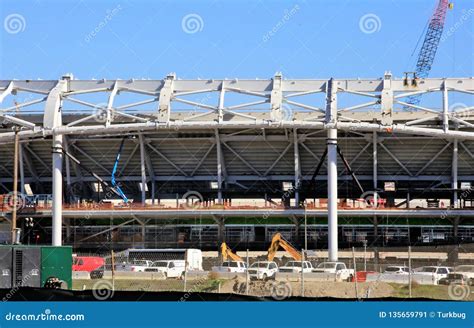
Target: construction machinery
column 277, row 242
column 227, row 253
column 430, row 46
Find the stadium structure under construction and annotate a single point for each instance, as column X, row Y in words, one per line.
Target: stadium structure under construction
column 172, row 162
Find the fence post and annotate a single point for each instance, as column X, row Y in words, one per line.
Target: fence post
column 185, row 269
column 409, row 269
column 355, row 273
column 302, row 273
column 112, row 261
column 247, row 280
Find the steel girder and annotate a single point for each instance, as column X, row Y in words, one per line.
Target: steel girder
column 281, row 103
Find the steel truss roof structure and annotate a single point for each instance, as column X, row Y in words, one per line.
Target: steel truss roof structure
column 245, row 135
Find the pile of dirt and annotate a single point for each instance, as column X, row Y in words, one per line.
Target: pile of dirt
column 282, row 290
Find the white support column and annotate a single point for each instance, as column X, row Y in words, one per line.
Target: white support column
column 454, row 173
column 297, row 167
column 219, row 168
column 142, row 167
column 375, row 166
column 52, row 119
column 445, row 108
column 331, row 117
column 22, row 169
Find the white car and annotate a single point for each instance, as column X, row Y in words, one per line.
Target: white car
column 395, row 269
column 231, row 266
column 170, row 269
column 263, row 270
column 295, row 267
column 337, row 268
column 138, row 265
column 435, row 272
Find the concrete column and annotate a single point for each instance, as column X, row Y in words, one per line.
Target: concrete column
column 332, row 194
column 57, row 190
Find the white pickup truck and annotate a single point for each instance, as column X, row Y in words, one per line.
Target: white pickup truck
column 263, row 270
column 170, row 269
column 337, row 268
column 135, row 266
column 431, row 274
column 231, row 266
column 295, row 267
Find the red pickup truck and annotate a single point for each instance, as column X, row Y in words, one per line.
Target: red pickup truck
column 95, row 265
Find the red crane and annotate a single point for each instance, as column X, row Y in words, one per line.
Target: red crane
column 430, row 45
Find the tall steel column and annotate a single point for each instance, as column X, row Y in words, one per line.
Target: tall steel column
column 375, row 167
column 454, row 174
column 332, row 194
column 142, row 167
column 57, row 189
column 331, row 117
column 297, row 168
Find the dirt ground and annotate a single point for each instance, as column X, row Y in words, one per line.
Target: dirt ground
column 311, row 289
column 279, row 290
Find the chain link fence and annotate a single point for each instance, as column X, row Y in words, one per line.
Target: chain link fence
column 361, row 273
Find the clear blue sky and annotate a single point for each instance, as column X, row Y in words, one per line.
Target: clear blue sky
column 146, row 38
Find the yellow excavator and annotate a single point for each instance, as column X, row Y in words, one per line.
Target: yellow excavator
column 279, row 241
column 227, row 253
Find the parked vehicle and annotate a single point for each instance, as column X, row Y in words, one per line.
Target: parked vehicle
column 435, row 272
column 193, row 257
column 95, row 265
column 463, row 275
column 263, row 270
column 295, row 267
column 231, row 266
column 337, row 268
column 135, row 266
column 397, row 269
column 170, row 269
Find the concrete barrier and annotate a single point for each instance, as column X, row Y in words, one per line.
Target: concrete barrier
column 310, row 276
column 81, row 275
column 196, row 275
column 400, row 278
column 129, row 275
column 229, row 275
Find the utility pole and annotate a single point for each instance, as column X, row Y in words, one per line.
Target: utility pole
column 15, row 186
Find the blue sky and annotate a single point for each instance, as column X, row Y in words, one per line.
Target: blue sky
column 146, row 39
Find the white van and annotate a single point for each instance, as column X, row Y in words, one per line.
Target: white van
column 193, row 257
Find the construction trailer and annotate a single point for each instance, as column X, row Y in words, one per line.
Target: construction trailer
column 33, row 266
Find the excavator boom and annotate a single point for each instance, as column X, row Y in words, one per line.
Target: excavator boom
column 278, row 241
column 227, row 253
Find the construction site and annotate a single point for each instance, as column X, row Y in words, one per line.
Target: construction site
column 271, row 186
